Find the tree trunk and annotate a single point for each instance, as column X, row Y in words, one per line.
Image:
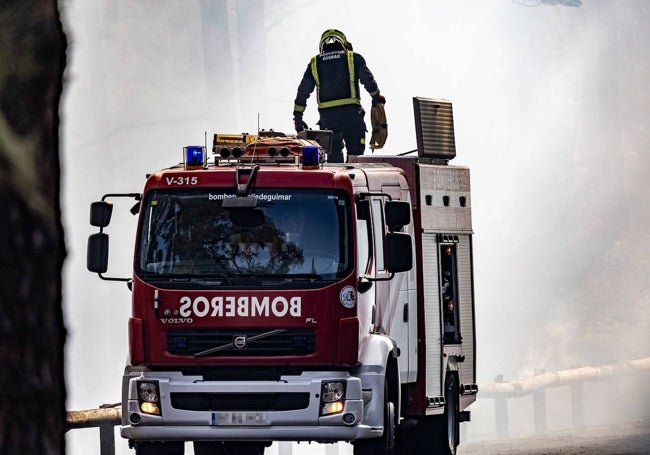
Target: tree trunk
column 32, row 335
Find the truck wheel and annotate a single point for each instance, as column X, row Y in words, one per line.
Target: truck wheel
column 228, row 448
column 208, row 448
column 434, row 435
column 385, row 444
column 448, row 425
column 159, row 448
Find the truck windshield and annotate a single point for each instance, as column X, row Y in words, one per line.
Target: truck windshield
column 291, row 233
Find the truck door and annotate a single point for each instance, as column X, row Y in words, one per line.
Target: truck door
column 396, row 298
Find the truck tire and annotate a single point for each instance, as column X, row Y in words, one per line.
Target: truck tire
column 385, row 444
column 159, row 448
column 228, row 448
column 448, row 425
column 434, row 435
column 208, row 448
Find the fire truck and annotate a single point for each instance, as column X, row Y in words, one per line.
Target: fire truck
column 278, row 297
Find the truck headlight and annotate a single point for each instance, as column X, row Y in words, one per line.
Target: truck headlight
column 332, row 391
column 332, row 397
column 149, row 397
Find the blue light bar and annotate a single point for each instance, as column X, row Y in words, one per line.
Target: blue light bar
column 194, row 156
column 310, row 157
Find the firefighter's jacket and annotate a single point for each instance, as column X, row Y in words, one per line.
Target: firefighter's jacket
column 336, row 76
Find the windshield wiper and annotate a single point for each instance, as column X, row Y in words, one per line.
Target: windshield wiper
column 232, row 345
column 298, row 276
column 217, row 279
column 212, row 279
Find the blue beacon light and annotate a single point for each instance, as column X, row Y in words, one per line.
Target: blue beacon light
column 310, row 157
column 194, row 156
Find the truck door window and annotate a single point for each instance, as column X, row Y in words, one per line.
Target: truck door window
column 378, row 228
column 364, row 235
column 449, row 293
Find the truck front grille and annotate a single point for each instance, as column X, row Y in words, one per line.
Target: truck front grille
column 239, row 401
column 240, row 342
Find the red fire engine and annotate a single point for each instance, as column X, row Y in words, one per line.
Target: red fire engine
column 280, row 298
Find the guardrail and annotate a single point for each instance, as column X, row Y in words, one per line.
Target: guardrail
column 105, row 418
column 537, row 386
column 108, row 416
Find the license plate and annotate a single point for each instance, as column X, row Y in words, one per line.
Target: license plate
column 239, row 419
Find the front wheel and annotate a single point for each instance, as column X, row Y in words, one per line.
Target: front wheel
column 385, row 444
column 228, row 448
column 159, row 448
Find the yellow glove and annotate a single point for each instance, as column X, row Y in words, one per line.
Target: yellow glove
column 379, row 126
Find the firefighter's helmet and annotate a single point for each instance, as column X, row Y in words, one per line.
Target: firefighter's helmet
column 332, row 36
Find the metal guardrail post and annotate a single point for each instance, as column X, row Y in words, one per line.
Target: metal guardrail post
column 107, row 432
column 577, row 404
column 613, row 397
column 501, row 413
column 539, row 407
column 107, row 439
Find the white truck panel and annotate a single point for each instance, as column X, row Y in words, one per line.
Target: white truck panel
column 433, row 386
column 444, row 198
column 467, row 368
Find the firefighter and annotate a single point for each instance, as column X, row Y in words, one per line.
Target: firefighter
column 336, row 73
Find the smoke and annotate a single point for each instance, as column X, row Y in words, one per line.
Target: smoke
column 551, row 101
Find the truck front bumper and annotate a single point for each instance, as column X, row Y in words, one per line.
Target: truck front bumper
column 194, row 409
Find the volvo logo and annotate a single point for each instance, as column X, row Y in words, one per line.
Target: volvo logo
column 239, row 341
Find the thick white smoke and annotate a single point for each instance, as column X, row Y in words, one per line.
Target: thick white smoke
column 551, row 101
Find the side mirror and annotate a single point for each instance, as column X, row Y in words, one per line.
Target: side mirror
column 100, row 213
column 97, row 255
column 399, row 252
column 398, row 214
column 100, row 216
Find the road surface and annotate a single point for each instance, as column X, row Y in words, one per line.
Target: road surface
column 629, row 439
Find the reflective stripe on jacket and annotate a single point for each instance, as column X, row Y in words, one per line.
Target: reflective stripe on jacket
column 352, row 90
column 336, row 76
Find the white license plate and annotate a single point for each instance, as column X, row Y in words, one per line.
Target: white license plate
column 239, row 418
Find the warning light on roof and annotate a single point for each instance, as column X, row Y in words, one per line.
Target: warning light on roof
column 194, row 156
column 310, row 157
